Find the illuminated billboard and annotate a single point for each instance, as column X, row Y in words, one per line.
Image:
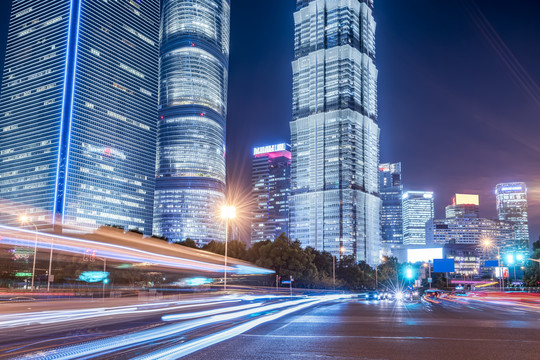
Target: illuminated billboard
column 424, row 255
column 271, row 148
column 467, row 199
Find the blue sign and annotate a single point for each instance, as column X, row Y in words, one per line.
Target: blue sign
column 443, row 265
column 286, row 281
column 491, row 263
column 93, row 276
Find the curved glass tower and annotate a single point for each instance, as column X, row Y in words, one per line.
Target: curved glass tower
column 190, row 184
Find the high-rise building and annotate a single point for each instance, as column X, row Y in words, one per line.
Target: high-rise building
column 271, row 187
column 417, row 211
column 334, row 131
column 472, row 231
column 512, row 207
column 391, row 190
column 464, row 206
column 78, row 112
column 190, row 184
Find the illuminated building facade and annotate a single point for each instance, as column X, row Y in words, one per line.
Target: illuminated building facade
column 512, row 207
column 271, row 187
column 334, row 131
column 464, row 206
column 391, row 192
column 471, row 231
column 78, row 112
column 190, row 171
column 417, row 211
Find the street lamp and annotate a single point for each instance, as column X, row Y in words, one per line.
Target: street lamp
column 227, row 212
column 341, row 250
column 24, row 219
column 487, row 243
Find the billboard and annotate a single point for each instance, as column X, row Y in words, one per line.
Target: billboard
column 423, row 255
column 467, row 199
column 443, row 265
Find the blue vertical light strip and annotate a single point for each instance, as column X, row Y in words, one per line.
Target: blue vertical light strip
column 67, row 109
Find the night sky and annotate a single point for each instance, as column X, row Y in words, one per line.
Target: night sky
column 459, row 100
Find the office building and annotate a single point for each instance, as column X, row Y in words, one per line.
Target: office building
column 471, row 231
column 417, row 211
column 391, row 192
column 512, row 207
column 78, row 113
column 190, row 179
column 464, row 206
column 270, row 179
column 335, row 200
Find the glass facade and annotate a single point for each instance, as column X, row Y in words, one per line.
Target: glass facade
column 190, row 184
column 335, row 200
column 471, row 231
column 391, row 190
column 417, row 211
column 271, row 188
column 512, row 207
column 79, row 109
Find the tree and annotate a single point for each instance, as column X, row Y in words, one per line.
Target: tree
column 216, row 247
column 188, row 243
column 286, row 258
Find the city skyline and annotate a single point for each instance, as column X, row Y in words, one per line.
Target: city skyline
column 478, row 83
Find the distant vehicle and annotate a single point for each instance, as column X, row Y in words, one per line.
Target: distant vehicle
column 372, row 295
column 433, row 293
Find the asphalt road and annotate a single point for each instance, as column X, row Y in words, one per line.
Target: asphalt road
column 276, row 329
column 386, row 330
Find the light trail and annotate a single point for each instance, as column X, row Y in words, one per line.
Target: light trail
column 208, row 262
column 52, row 317
column 178, row 351
column 105, row 346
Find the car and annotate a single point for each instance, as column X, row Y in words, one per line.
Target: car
column 372, row 295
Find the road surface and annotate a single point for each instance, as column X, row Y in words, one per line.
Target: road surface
column 279, row 328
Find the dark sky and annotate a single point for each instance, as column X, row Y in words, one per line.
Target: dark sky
column 459, row 101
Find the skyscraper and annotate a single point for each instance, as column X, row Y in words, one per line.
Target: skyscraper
column 190, row 184
column 417, row 211
column 463, row 206
column 391, row 190
column 512, row 207
column 78, row 112
column 334, row 131
column 271, row 187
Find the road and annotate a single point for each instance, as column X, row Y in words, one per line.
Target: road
column 278, row 328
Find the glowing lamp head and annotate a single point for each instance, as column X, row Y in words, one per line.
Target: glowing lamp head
column 519, row 257
column 228, row 212
column 341, row 250
column 487, row 243
column 24, row 218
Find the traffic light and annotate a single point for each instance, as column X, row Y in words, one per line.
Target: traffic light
column 409, row 272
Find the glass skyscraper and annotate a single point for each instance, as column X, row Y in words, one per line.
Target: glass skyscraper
column 417, row 211
column 512, row 207
column 190, row 184
column 334, row 132
column 78, row 112
column 391, row 190
column 271, row 188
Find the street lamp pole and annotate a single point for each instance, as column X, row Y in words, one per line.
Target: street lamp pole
column 50, row 268
column 24, row 219
column 226, row 240
column 227, row 212
column 334, row 270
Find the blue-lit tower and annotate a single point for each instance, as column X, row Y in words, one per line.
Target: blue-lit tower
column 335, row 200
column 190, row 184
column 78, row 113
